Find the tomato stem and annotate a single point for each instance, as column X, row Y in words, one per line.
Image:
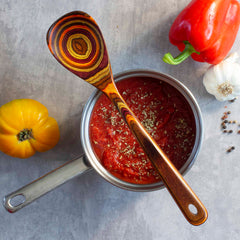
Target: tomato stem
column 25, row 134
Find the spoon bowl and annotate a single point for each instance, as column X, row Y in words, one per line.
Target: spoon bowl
column 76, row 41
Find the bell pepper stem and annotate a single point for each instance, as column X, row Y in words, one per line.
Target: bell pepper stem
column 189, row 49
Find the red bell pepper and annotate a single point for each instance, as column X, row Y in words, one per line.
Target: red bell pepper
column 206, row 30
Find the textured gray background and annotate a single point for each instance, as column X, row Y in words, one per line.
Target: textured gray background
column 87, row 207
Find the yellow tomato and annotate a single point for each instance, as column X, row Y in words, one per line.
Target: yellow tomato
column 25, row 128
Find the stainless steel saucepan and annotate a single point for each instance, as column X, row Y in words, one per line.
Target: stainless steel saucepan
column 27, row 194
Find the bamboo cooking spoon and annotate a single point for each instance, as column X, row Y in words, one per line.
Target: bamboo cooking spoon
column 76, row 41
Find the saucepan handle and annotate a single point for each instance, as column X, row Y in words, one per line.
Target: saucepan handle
column 27, row 194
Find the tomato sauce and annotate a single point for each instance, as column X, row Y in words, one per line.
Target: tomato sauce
column 164, row 113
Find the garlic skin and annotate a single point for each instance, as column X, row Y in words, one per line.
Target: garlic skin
column 223, row 80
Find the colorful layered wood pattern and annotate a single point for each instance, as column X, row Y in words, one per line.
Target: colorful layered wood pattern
column 76, row 42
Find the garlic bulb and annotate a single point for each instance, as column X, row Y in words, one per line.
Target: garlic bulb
column 223, row 80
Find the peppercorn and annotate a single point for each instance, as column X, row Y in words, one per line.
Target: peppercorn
column 232, row 100
column 230, row 149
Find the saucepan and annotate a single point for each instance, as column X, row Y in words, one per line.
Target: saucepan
column 27, row 194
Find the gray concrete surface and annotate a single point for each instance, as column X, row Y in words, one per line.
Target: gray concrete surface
column 88, row 207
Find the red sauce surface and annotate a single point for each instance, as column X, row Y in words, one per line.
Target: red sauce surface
column 164, row 113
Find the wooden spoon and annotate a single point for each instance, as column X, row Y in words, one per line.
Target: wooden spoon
column 76, row 41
